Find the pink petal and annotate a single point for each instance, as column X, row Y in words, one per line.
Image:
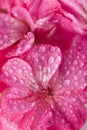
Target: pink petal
column 46, row 7
column 76, row 7
column 73, row 71
column 56, row 30
column 11, row 30
column 69, row 90
column 72, row 114
column 15, row 103
column 17, row 73
column 22, row 14
column 24, row 110
column 25, row 44
column 45, row 60
column 8, row 4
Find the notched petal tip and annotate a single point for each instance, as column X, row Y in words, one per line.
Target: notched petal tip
column 17, row 73
column 45, row 60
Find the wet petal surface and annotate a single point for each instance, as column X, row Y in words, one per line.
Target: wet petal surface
column 24, row 45
column 11, row 30
column 18, row 73
column 45, row 60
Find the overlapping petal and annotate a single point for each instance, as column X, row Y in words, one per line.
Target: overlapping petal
column 45, row 60
column 23, row 15
column 70, row 84
column 18, row 73
column 25, row 110
column 46, row 7
column 11, row 30
column 23, row 46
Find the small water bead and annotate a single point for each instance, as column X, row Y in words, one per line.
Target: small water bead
column 73, row 68
column 79, row 72
column 5, row 73
column 14, row 67
column 81, row 64
column 67, row 73
column 21, row 81
column 20, row 71
column 51, row 60
column 66, row 82
column 75, row 62
column 42, row 49
column 14, row 78
column 58, row 59
column 52, row 49
column 10, row 71
column 75, row 77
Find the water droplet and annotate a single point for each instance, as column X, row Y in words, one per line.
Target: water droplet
column 21, row 81
column 51, row 60
column 81, row 64
column 66, row 82
column 5, row 73
column 52, row 49
column 14, row 78
column 10, row 71
column 75, row 62
column 58, row 59
column 72, row 68
column 20, row 71
column 75, row 77
column 42, row 49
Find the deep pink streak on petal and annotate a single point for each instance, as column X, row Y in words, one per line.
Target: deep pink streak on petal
column 17, row 73
column 44, row 60
column 24, row 45
column 56, row 30
column 3, row 86
column 11, row 30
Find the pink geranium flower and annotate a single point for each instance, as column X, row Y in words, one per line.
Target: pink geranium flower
column 20, row 28
column 48, row 91
column 27, row 25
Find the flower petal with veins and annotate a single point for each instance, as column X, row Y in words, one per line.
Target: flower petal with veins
column 25, row 110
column 19, row 74
column 22, row 14
column 24, row 45
column 11, row 30
column 46, row 7
column 45, row 60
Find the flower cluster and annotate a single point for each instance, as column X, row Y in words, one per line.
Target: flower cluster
column 43, row 64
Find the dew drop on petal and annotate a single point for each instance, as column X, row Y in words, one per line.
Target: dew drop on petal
column 51, row 60
column 58, row 58
column 52, row 49
column 42, row 49
column 14, row 78
column 66, row 82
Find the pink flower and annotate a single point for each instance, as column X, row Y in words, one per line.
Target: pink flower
column 27, row 25
column 20, row 28
column 48, row 91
